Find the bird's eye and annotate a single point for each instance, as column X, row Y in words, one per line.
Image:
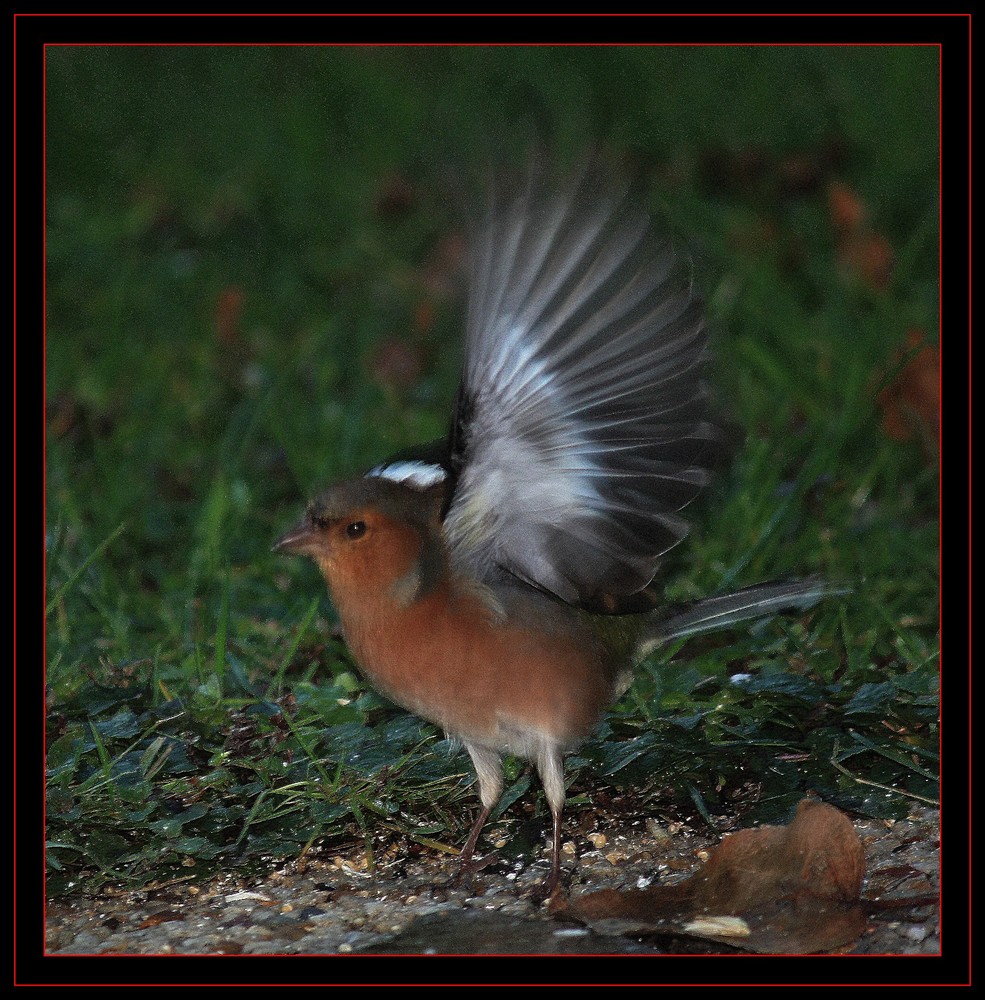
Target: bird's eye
column 356, row 529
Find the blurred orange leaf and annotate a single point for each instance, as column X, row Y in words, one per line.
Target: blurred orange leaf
column 869, row 257
column 227, row 314
column 445, row 265
column 845, row 208
column 863, row 252
column 911, row 402
column 396, row 364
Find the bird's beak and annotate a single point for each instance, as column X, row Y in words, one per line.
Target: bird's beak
column 300, row 540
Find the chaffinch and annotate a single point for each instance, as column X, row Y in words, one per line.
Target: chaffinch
column 501, row 583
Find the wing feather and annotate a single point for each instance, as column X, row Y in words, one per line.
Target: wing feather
column 583, row 424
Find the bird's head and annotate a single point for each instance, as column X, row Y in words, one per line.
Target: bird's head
column 368, row 536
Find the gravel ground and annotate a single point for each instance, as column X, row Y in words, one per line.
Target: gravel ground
column 331, row 904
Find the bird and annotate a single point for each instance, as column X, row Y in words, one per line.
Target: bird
column 502, row 583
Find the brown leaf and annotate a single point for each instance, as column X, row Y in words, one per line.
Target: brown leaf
column 911, row 403
column 396, row 364
column 228, row 313
column 845, row 209
column 444, row 268
column 864, row 253
column 869, row 257
column 424, row 316
column 395, row 196
column 165, row 916
column 227, row 948
column 792, row 889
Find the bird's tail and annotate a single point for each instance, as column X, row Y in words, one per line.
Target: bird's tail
column 758, row 601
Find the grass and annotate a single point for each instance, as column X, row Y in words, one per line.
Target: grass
column 248, row 249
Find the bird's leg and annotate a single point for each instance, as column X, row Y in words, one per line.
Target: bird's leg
column 465, row 855
column 551, row 771
column 554, row 878
column 490, row 774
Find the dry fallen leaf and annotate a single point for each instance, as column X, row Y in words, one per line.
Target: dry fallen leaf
column 397, row 364
column 864, row 253
column 228, row 313
column 911, row 402
column 165, row 916
column 395, row 196
column 869, row 257
column 445, row 267
column 845, row 209
column 793, row 889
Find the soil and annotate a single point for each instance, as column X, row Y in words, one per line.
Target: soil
column 331, row 903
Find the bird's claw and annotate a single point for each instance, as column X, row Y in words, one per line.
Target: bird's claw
column 469, row 868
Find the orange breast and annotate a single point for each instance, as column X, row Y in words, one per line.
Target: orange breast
column 447, row 659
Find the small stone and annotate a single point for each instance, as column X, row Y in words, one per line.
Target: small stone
column 916, row 932
column 657, row 832
column 598, row 840
column 568, row 847
column 86, row 941
column 286, row 908
column 675, row 864
column 244, row 895
column 345, row 947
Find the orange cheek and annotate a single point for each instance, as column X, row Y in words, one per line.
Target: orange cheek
column 364, row 569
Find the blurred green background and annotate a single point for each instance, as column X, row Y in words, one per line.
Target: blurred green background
column 254, row 286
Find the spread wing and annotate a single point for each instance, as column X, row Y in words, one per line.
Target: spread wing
column 581, row 429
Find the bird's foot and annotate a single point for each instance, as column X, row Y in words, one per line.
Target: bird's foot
column 553, row 888
column 468, row 869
